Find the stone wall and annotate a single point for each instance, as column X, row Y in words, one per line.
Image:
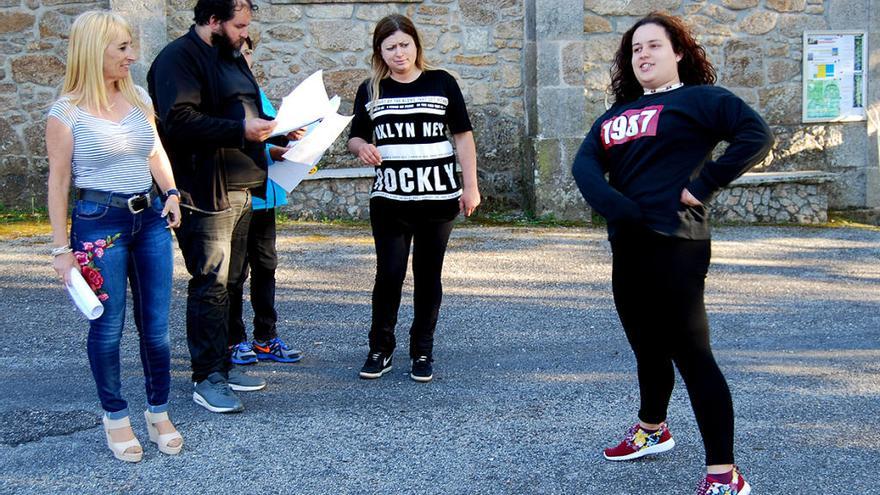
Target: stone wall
column 479, row 41
column 787, row 197
column 533, row 73
column 330, row 197
column 555, row 101
column 756, row 46
column 33, row 49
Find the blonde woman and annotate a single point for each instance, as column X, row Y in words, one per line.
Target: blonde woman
column 401, row 119
column 101, row 134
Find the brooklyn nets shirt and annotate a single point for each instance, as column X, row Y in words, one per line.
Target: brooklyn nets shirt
column 409, row 126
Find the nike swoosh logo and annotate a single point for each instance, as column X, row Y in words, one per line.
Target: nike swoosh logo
column 386, row 361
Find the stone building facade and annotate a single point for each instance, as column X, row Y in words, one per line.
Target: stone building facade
column 533, row 73
column 756, row 47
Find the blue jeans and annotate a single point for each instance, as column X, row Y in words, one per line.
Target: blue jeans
column 214, row 247
column 114, row 245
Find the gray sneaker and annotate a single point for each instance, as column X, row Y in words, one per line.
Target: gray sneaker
column 213, row 393
column 242, row 382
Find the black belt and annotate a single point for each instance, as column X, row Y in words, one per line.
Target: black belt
column 135, row 203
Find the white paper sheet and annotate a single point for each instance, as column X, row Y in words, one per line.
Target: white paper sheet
column 289, row 174
column 307, row 152
column 310, row 148
column 83, row 296
column 307, row 103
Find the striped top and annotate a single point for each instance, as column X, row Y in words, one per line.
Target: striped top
column 410, row 124
column 109, row 156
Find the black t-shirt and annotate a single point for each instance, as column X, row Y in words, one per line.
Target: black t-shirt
column 240, row 97
column 659, row 144
column 409, row 125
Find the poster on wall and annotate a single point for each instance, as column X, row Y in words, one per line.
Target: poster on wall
column 834, row 76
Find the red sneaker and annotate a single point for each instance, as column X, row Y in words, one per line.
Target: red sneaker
column 639, row 443
column 737, row 486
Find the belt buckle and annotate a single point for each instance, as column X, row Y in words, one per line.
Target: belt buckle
column 137, row 204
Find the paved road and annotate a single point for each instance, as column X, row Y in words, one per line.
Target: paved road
column 533, row 375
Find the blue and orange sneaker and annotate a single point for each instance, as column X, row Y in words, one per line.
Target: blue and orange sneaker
column 711, row 485
column 276, row 350
column 638, row 443
column 243, row 353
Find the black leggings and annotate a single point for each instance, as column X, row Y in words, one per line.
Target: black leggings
column 261, row 261
column 658, row 284
column 393, row 234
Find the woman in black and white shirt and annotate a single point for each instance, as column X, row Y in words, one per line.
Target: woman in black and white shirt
column 401, row 118
column 101, row 135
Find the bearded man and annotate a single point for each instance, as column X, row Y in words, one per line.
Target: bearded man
column 211, row 121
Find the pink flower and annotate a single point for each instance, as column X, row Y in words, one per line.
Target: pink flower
column 100, row 243
column 88, row 246
column 81, row 257
column 99, row 252
column 104, row 296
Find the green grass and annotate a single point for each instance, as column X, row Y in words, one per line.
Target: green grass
column 284, row 220
column 10, row 215
column 499, row 218
column 839, row 219
column 514, row 218
column 16, row 223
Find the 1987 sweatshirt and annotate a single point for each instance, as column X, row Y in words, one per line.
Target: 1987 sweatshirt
column 659, row 144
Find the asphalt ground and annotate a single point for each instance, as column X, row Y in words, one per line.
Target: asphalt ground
column 533, row 375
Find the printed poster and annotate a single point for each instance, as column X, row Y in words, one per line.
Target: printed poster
column 833, row 74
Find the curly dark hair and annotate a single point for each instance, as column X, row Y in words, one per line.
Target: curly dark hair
column 223, row 10
column 693, row 68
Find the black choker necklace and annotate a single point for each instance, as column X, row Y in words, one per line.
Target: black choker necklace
column 661, row 90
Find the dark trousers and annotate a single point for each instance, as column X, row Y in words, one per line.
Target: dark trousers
column 261, row 261
column 213, row 247
column 658, row 284
column 393, row 234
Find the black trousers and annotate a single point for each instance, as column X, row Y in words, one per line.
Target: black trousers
column 213, row 247
column 393, row 233
column 658, row 284
column 261, row 260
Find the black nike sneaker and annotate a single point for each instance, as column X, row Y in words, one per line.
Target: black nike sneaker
column 422, row 370
column 378, row 363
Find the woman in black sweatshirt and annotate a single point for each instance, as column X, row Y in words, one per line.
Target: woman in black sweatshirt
column 655, row 143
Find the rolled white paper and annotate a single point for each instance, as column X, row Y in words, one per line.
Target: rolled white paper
column 83, row 296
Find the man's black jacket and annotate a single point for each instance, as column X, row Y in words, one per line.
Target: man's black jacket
column 185, row 87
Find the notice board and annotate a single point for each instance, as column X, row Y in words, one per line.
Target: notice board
column 834, row 76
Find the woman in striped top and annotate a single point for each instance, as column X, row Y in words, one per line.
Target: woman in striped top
column 102, row 133
column 401, row 119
